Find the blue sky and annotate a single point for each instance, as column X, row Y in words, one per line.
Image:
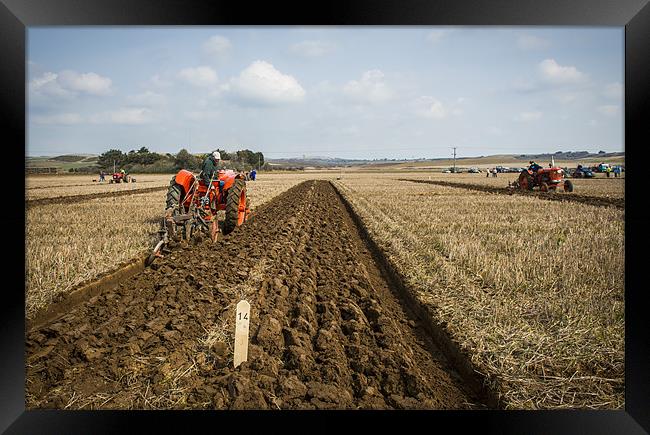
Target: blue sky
column 350, row 92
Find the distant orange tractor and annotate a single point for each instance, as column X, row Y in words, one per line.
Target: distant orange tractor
column 192, row 206
column 121, row 177
column 547, row 179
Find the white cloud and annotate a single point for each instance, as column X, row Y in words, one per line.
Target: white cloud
column 608, row 110
column 312, row 48
column 147, row 99
column 554, row 73
column 592, row 123
column 125, row 115
column 429, row 107
column 613, row 90
column 202, row 76
column 69, row 83
column 89, row 83
column 436, row 36
column 371, row 88
column 48, row 85
column 432, row 108
column 528, row 116
column 217, row 45
column 261, row 83
column 61, row 118
column 531, row 42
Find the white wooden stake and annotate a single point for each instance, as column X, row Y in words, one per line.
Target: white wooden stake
column 241, row 332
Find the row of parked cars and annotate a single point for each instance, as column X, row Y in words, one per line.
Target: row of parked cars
column 579, row 172
column 475, row 170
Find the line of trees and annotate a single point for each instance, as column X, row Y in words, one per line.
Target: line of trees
column 145, row 161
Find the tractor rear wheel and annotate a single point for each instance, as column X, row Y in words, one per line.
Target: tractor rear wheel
column 525, row 181
column 174, row 194
column 235, row 206
column 568, row 186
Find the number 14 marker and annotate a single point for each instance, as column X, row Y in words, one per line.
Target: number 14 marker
column 241, row 332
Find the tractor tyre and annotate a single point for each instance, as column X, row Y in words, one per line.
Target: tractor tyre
column 525, row 181
column 174, row 195
column 568, row 186
column 235, row 206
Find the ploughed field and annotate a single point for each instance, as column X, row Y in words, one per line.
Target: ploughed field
column 327, row 329
column 74, row 233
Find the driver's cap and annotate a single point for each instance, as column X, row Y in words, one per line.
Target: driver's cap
column 216, row 155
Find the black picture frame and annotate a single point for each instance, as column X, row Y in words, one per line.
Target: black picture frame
column 17, row 15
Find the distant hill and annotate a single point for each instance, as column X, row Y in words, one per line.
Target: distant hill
column 62, row 163
column 315, row 162
column 74, row 158
column 560, row 157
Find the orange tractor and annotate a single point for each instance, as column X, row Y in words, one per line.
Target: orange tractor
column 192, row 207
column 547, row 179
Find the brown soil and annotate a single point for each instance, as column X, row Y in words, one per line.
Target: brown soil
column 551, row 196
column 327, row 329
column 78, row 198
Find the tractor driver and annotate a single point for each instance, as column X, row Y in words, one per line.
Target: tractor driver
column 534, row 166
column 210, row 171
column 210, row 167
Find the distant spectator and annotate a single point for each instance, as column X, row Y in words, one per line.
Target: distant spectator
column 101, row 176
column 487, row 173
column 494, row 172
column 253, row 174
column 617, row 171
column 608, row 171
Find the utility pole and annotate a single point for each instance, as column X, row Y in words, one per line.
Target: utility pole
column 258, row 162
column 454, row 160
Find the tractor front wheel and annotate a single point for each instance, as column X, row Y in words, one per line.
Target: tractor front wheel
column 235, row 206
column 544, row 186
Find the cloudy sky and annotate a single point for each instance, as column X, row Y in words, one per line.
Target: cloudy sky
column 350, row 92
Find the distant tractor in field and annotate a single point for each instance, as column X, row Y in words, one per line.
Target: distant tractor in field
column 192, row 207
column 547, row 179
column 121, row 177
column 582, row 172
